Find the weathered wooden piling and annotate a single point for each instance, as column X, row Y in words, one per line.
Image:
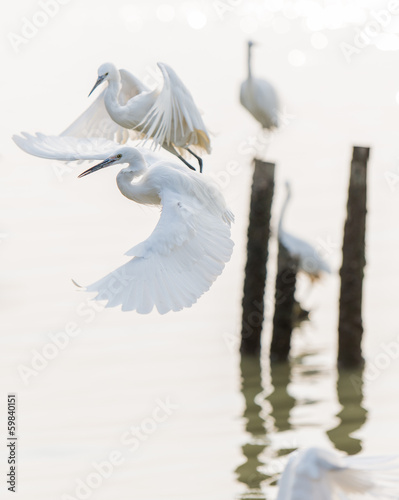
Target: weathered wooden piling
column 257, row 254
column 350, row 327
column 283, row 318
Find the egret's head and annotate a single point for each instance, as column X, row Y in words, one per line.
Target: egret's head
column 124, row 154
column 106, row 71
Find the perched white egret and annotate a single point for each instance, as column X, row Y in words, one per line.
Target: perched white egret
column 189, row 246
column 319, row 474
column 127, row 107
column 259, row 97
column 309, row 260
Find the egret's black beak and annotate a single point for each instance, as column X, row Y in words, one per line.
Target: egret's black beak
column 100, row 79
column 106, row 163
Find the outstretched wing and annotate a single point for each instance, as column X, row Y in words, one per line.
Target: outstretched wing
column 174, row 118
column 96, row 122
column 54, row 147
column 170, row 270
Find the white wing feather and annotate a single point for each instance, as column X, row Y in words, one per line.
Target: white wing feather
column 318, row 474
column 65, row 148
column 96, row 122
column 54, row 147
column 180, row 260
column 174, row 117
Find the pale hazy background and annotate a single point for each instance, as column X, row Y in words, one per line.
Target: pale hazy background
column 55, row 227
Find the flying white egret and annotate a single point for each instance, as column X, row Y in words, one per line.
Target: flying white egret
column 127, row 107
column 319, row 474
column 309, row 260
column 189, row 246
column 259, row 98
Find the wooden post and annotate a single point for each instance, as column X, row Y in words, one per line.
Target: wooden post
column 350, row 326
column 284, row 305
column 257, row 254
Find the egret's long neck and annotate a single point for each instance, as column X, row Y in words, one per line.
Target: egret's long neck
column 249, row 62
column 127, row 118
column 139, row 191
column 111, row 95
column 283, row 210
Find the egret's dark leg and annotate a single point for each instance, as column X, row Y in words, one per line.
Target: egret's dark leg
column 198, row 158
column 185, row 161
column 171, row 149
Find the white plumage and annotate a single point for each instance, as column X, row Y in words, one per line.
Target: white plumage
column 128, row 108
column 259, row 98
column 319, row 474
column 189, row 246
column 64, row 148
column 309, row 260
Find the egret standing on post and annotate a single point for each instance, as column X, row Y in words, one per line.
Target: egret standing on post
column 191, row 243
column 259, row 97
column 127, row 107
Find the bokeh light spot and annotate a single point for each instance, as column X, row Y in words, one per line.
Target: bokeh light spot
column 196, row 19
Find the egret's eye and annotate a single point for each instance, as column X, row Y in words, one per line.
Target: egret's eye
column 119, row 156
column 106, row 74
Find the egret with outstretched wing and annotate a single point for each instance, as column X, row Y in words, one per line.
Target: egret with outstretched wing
column 189, row 246
column 128, row 108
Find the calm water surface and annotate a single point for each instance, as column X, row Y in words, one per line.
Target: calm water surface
column 169, row 395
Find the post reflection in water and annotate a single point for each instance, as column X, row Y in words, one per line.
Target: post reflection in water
column 281, row 402
column 260, row 464
column 352, row 415
column 249, row 472
column 272, row 429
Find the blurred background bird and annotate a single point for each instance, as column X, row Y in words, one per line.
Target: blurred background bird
column 259, row 97
column 308, row 258
column 189, row 246
column 127, row 108
column 320, row 474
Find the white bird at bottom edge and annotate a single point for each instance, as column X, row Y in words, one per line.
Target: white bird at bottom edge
column 320, row 474
column 191, row 243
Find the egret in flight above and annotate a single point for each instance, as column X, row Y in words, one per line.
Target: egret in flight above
column 259, row 97
column 319, row 474
column 309, row 260
column 126, row 107
column 191, row 243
